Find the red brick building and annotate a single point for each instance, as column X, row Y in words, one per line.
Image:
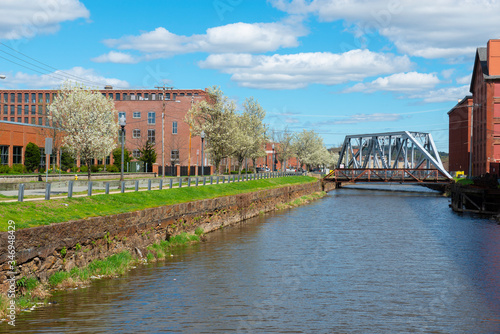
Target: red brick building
column 24, row 119
column 459, row 135
column 484, row 113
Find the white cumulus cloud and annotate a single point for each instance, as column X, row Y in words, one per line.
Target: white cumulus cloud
column 425, row 28
column 116, row 57
column 88, row 77
column 236, row 38
column 399, row 82
column 294, row 71
column 28, row 18
column 447, row 94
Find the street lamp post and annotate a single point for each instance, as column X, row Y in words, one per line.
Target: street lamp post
column 122, row 123
column 202, row 136
column 273, row 160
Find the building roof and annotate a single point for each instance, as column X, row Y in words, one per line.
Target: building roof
column 482, row 59
column 460, row 103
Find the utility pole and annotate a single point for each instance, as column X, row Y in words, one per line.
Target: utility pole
column 163, row 129
column 189, row 153
column 471, row 132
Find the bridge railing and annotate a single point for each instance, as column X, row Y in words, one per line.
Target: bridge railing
column 388, row 175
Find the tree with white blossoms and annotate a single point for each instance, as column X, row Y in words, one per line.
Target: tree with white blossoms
column 250, row 132
column 216, row 117
column 89, row 121
column 308, row 148
column 284, row 147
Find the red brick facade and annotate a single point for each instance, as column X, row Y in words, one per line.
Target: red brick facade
column 24, row 119
column 459, row 135
column 484, row 116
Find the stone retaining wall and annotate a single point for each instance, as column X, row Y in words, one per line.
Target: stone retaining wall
column 38, row 249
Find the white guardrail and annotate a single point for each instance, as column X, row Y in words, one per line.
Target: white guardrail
column 145, row 185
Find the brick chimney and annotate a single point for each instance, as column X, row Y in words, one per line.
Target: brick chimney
column 494, row 57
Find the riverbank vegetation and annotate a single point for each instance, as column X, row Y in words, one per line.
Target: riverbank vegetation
column 301, row 200
column 30, row 214
column 32, row 293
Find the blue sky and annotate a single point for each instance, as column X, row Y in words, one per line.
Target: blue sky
column 338, row 67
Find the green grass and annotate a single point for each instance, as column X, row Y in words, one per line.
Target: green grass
column 29, row 214
column 463, row 181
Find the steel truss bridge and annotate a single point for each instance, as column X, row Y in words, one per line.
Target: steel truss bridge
column 403, row 157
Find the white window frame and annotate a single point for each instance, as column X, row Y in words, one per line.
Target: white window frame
column 151, row 117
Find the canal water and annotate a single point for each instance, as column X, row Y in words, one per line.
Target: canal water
column 357, row 261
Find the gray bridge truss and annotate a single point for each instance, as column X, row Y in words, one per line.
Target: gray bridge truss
column 405, row 156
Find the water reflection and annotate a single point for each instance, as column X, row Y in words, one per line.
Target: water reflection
column 364, row 261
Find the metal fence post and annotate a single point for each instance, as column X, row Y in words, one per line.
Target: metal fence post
column 217, row 179
column 197, row 181
column 123, row 186
column 161, row 184
column 149, row 184
column 189, row 181
column 171, row 183
column 89, row 190
column 180, row 182
column 204, row 180
column 211, row 179
column 107, row 188
column 136, row 185
column 70, row 189
column 47, row 191
column 20, row 196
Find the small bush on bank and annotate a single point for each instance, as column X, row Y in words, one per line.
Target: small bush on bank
column 112, row 169
column 4, row 169
column 95, row 168
column 19, row 169
column 83, row 169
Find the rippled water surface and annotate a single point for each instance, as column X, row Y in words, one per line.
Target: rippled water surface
column 357, row 261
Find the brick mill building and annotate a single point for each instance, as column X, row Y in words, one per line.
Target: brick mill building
column 482, row 114
column 24, row 119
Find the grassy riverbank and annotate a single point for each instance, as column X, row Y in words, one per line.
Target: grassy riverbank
column 29, row 214
column 31, row 292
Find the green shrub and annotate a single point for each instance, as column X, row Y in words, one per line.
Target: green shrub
column 199, row 231
column 19, row 168
column 94, row 168
column 32, row 156
column 117, row 157
column 58, row 277
column 83, row 169
column 27, row 283
column 67, row 161
column 112, row 169
column 4, row 169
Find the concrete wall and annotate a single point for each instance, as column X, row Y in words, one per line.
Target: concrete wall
column 38, row 249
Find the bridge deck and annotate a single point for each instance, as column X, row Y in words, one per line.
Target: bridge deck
column 388, row 175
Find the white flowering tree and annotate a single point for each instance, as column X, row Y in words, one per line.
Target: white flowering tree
column 89, row 121
column 250, row 132
column 216, row 117
column 310, row 149
column 284, row 146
